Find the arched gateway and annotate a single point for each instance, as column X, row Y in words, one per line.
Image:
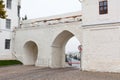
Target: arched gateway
column 58, row 48
column 42, row 42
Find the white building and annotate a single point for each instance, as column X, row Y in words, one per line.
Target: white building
column 7, row 26
column 41, row 42
column 101, row 35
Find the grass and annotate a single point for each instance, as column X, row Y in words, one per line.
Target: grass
column 9, row 62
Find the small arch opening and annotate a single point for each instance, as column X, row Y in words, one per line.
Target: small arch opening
column 30, row 53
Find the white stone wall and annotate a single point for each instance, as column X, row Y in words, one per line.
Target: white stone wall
column 101, row 48
column 101, row 37
column 7, row 33
column 4, row 54
column 44, row 37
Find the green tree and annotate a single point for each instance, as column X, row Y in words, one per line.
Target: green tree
column 2, row 11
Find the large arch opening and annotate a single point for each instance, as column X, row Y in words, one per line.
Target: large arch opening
column 30, row 53
column 58, row 49
column 73, row 52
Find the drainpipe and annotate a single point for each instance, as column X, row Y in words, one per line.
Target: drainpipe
column 19, row 7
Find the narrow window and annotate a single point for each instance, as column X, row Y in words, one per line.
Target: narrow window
column 9, row 4
column 103, row 7
column 8, row 23
column 7, row 43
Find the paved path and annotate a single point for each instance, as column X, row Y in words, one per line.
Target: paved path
column 39, row 73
